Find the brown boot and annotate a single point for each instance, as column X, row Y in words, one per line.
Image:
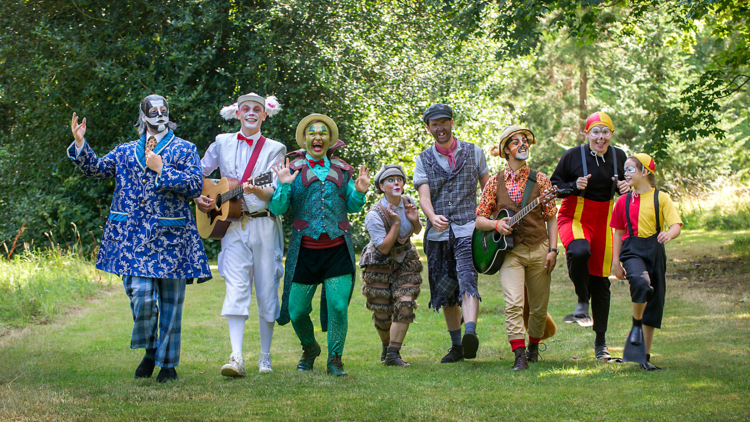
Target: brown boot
column 520, row 359
column 383, row 353
column 393, row 358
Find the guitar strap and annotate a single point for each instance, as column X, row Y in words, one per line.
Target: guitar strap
column 529, row 187
column 253, row 159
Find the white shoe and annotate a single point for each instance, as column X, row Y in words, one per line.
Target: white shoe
column 264, row 363
column 235, row 367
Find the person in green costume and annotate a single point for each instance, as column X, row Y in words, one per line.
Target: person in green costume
column 320, row 251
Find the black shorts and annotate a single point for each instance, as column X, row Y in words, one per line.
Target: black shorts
column 316, row 265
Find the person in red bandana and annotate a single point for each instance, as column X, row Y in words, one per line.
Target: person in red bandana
column 252, row 248
column 594, row 173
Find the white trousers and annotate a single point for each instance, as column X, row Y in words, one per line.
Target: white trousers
column 252, row 255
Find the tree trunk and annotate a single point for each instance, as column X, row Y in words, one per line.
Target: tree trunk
column 582, row 91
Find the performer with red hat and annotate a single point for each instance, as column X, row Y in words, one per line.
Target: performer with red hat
column 594, row 172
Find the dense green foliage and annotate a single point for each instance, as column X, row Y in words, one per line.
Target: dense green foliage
column 372, row 66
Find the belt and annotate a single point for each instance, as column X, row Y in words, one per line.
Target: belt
column 258, row 214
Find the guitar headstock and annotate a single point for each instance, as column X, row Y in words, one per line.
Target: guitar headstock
column 264, row 180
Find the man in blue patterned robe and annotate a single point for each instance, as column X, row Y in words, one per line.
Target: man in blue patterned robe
column 150, row 238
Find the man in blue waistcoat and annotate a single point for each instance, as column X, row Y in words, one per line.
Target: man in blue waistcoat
column 446, row 176
column 320, row 250
column 150, row 238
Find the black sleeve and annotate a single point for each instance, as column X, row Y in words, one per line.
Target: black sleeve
column 621, row 158
column 562, row 177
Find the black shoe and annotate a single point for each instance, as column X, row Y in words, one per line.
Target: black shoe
column 383, row 353
column 455, row 354
column 532, row 352
column 520, row 363
column 393, row 358
column 635, row 348
column 146, row 368
column 648, row 366
column 309, row 353
column 602, row 353
column 471, row 345
column 167, row 374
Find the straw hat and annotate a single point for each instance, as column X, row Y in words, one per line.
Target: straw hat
column 508, row 133
column 312, row 118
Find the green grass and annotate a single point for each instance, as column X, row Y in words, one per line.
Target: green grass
column 36, row 286
column 81, row 367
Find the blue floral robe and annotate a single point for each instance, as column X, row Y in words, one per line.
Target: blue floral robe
column 151, row 230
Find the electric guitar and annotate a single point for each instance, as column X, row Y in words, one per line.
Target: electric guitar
column 488, row 248
column 226, row 194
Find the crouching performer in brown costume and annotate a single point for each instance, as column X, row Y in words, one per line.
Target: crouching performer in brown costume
column 391, row 266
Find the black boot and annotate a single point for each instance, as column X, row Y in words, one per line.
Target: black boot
column 309, row 353
column 393, row 358
column 648, row 366
column 520, row 363
column 167, row 374
column 635, row 348
column 146, row 368
column 470, row 344
column 383, row 353
column 455, row 354
column 532, row 352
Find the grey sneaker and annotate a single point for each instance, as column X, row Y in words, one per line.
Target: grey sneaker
column 235, row 367
column 264, row 363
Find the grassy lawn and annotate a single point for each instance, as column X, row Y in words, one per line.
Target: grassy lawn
column 81, row 368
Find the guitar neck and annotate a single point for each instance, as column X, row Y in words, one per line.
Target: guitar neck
column 235, row 192
column 516, row 218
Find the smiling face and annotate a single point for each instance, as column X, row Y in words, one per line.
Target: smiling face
column 317, row 139
column 599, row 137
column 392, row 186
column 251, row 114
column 518, row 147
column 632, row 174
column 441, row 130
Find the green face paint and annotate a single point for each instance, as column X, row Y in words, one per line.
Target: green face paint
column 317, row 140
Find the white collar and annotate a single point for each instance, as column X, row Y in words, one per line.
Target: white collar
column 157, row 136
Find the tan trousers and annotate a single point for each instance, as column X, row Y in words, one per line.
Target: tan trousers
column 524, row 265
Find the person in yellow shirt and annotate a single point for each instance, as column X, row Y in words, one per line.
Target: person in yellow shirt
column 638, row 253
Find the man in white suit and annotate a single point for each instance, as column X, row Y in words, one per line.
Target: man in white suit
column 252, row 249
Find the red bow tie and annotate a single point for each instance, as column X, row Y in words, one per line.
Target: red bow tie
column 241, row 137
column 321, row 162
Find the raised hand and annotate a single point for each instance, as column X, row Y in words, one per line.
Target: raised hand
column 153, row 161
column 78, row 130
column 411, row 211
column 363, row 181
column 392, row 214
column 283, row 172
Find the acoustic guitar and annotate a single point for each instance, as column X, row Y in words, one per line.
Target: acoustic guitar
column 226, row 194
column 488, row 248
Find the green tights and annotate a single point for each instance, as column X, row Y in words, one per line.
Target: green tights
column 338, row 292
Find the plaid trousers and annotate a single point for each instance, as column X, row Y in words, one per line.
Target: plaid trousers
column 147, row 297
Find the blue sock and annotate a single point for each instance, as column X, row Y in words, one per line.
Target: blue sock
column 470, row 328
column 455, row 337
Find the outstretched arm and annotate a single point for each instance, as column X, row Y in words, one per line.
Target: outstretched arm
column 84, row 156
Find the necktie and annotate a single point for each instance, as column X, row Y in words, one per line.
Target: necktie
column 241, row 137
column 313, row 163
column 150, row 145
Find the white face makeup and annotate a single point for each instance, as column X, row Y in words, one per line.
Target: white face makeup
column 157, row 116
column 392, row 185
column 251, row 114
column 599, row 137
column 632, row 175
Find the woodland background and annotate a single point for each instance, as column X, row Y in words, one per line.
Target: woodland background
column 672, row 74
